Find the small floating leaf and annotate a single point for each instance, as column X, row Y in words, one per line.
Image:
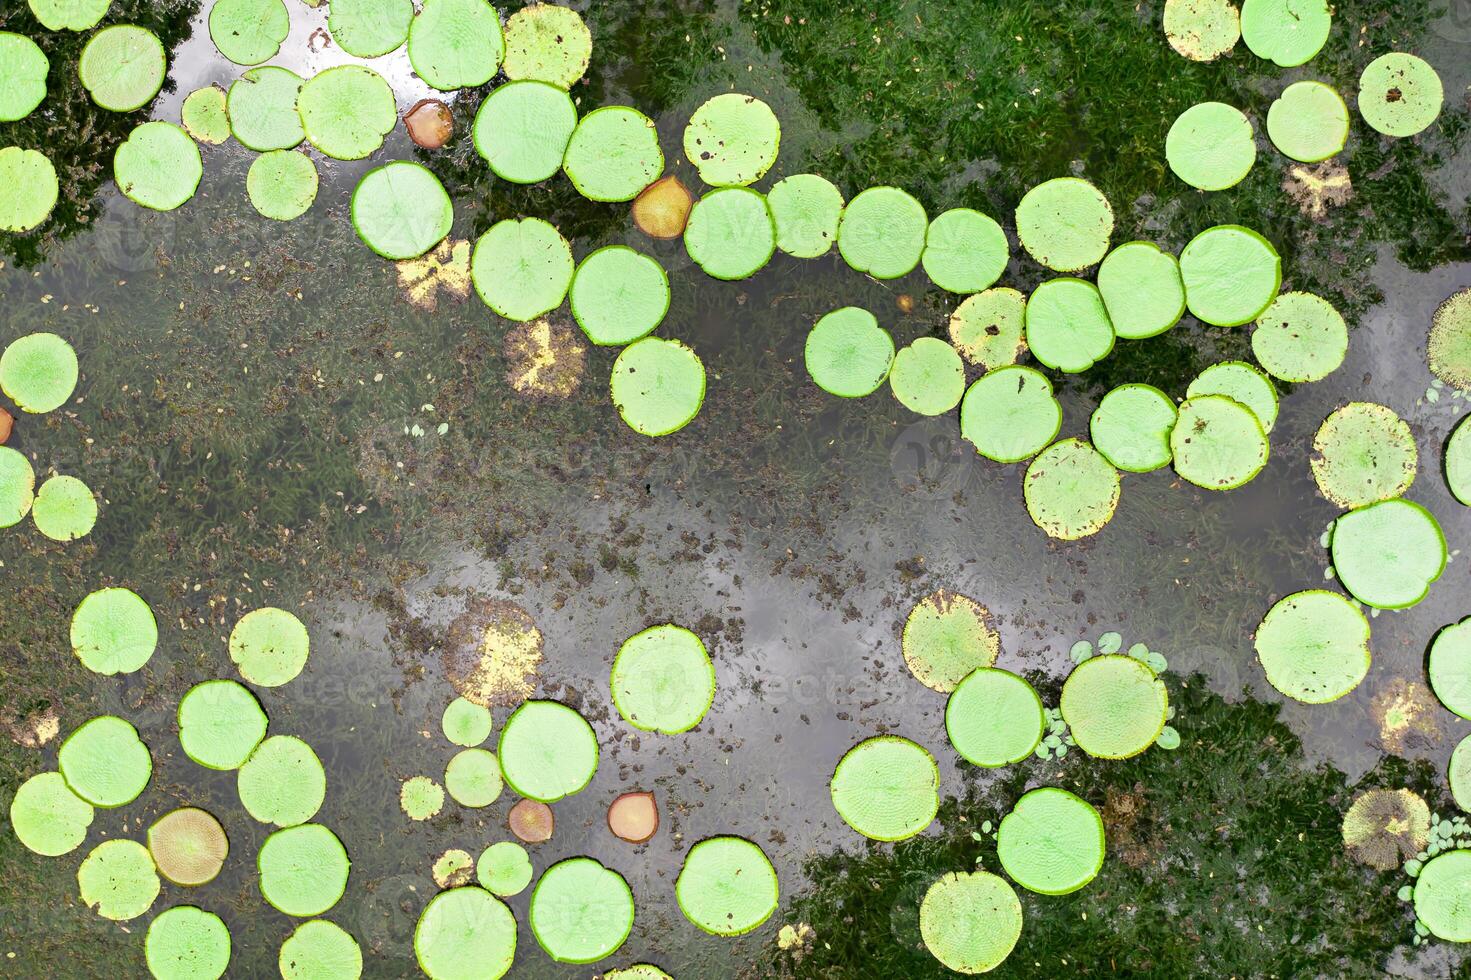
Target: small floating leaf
column 989, row 328
column 1051, row 842
column 473, row 778
column 303, row 870
column 848, row 354
column 547, row 751
column 420, row 798
column 581, row 911
column 1231, row 275
column 187, row 943
column 1217, row 443
column 466, row 723
column 1400, row 94
column 727, row 886
column 347, row 111
column 248, row 31
column 1211, row 146
column 1389, row 553
column 401, row 210
column 453, row 868
column 282, row 782
column 730, row 233
column 928, row 376
column 1363, row 452
column 456, row 44
column 320, row 950
column 946, row 636
column 1071, row 491
column 465, row 934
column 1169, row 739
column 1308, row 122
column 1141, row 289
column 1065, row 224
column 28, row 189
column 662, row 680
column 504, row 868
column 105, row 762
column 882, row 232
column 662, row 210
column 1300, row 337
column 123, row 66
column 1314, row 646
column 1131, row 427
column 205, row 115
column 189, row 846
column 618, row 295
column 1114, row 706
column 806, row 209
column 118, row 880
column 48, row 817
column 970, row 922
column 1111, row 642
column 1010, row 414
column 282, row 184
column 965, row 251
column 523, row 268
column 613, row 154
column 657, row 386
column 634, row 817
column 522, row 130
column 158, row 166
column 1068, row 327
column 732, row 140
column 547, row 42
column 993, row 718
column 886, row 788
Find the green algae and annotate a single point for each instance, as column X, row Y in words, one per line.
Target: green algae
column 1363, row 452
column 205, row 115
column 47, row 817
column 401, row 210
column 1114, row 706
column 113, row 632
column 1241, row 382
column 118, row 880
column 581, row 911
column 420, row 798
column 1202, row 30
column 473, row 778
column 28, row 189
column 1389, row 553
column 123, row 66
column 262, row 108
column 1308, row 122
column 466, row 723
column 946, row 636
column 158, row 166
column 465, row 934
column 1010, row 414
column 727, row 886
column 1314, row 646
column 522, row 269
column 282, row 782
column 663, row 680
column 1443, row 896
column 657, row 386
column 547, row 751
column 1457, row 465
column 347, row 111
column 187, row 943
column 732, row 140
column 303, row 870
column 282, row 184
column 1131, row 427
column 38, row 372
column 1065, row 224
column 1217, row 443
column 882, row 232
column 928, row 376
column 1068, row 327
column 1287, row 32
column 504, row 868
column 522, row 130
column 188, row 846
column 730, row 233
column 1211, row 146
column 220, row 724
column 1052, row 841
column 613, row 154
column 1231, row 275
column 69, row 15
column 989, row 328
column 370, row 28
column 320, row 950
column 269, row 646
column 886, row 788
column 848, row 354
column 970, row 922
column 1141, row 289
column 618, row 295
column 1400, row 94
column 1071, row 490
column 806, row 209
column 994, row 718
column 547, row 42
column 456, row 44
column 17, row 487
column 248, row 32
column 23, row 71
column 105, row 762
column 965, row 251
column 1300, row 337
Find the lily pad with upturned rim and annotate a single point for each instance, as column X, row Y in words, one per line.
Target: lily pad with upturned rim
column 158, row 166
column 886, row 788
column 1459, row 774
column 522, row 130
column 548, row 751
column 732, row 139
column 613, row 154
column 662, row 680
column 23, row 70
column 28, row 189
column 188, row 846
column 970, row 922
column 282, row 782
column 1389, row 553
column 1300, row 337
column 248, row 32
column 220, row 724
column 282, row 184
column 727, row 886
column 123, row 66
column 1217, row 443
column 303, row 870
column 806, row 209
column 262, row 108
column 988, row 329
column 522, row 268
column 47, row 817
column 618, row 295
column 187, row 943
column 928, row 376
column 1052, row 841
column 547, row 42
column 730, row 233
column 1211, row 146
column 1067, row 324
column 1010, row 414
column 657, row 386
column 1308, row 122
column 1114, row 706
column 456, row 44
column 465, row 933
column 1363, row 452
column 882, row 232
column 320, row 950
column 118, row 880
column 401, row 210
column 994, row 718
column 1065, row 224
column 1314, row 646
column 64, row 509
column 580, row 911
column 1231, row 275
column 113, row 632
column 346, row 111
column 1141, row 289
column 105, row 762
column 1131, row 427
column 965, row 251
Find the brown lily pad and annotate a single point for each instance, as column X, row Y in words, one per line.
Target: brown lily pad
column 634, row 817
column 663, row 208
column 532, row 822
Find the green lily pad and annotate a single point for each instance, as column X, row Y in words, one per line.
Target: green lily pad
column 123, row 67
column 965, row 251
column 1231, row 275
column 806, row 209
column 970, row 922
column 64, row 509
column 1141, row 289
column 421, row 798
column 118, row 880
column 1211, row 146
column 1052, row 841
column 523, row 268
column 657, row 386
column 1217, row 443
column 730, row 233
column 1071, row 491
column 105, row 762
column 158, row 166
column 282, row 184
column 639, row 971
column 370, row 28
column 303, row 870
column 47, row 817
column 886, row 788
column 1242, row 382
column 848, row 354
column 1389, row 553
column 1449, row 667
column 69, row 15
column 473, row 778
column 546, row 42
column 1288, row 32
column 187, row 943
column 547, row 751
column 113, row 632
column 1308, row 122
column 1400, row 94
column 269, row 646
column 248, row 31
column 1065, row 224
column 732, row 140
column 262, row 109
column 522, row 130
column 618, row 295
column 928, row 376
column 663, row 680
column 1131, row 427
column 613, row 154
column 1114, row 706
column 1363, row 452
column 205, row 115
column 1459, row 774
column 347, row 111
column 282, row 782
column 320, row 950
column 727, row 886
column 1457, row 467
column 38, row 371
column 947, row 636
column 1448, row 349
column 504, row 868
column 456, row 43
column 23, row 70
column 466, row 723
column 989, row 328
column 17, row 487
column 994, row 718
column 220, row 724
column 465, row 934
column 401, row 210
column 581, row 911
column 1314, row 646
column 1300, row 337
column 1010, row 414
column 882, row 232
column 28, row 189
column 1068, row 328
column 1443, row 896
column 1202, row 30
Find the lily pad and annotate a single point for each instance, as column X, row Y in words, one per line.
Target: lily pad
column 123, row 66
column 47, row 817
column 1300, row 337
column 1231, row 275
column 947, row 636
column 1010, row 414
column 965, row 251
column 113, row 632
column 1131, row 427
column 187, row 943
column 886, row 788
column 220, row 724
column 1114, row 706
column 473, row 778
column 1211, row 146
column 1217, row 443
column 1459, row 774
column 1457, row 466
column 401, row 210
column 1287, row 32
column 613, row 154
column 727, row 886
column 970, row 922
column 1141, row 289
column 1052, row 842
column 1242, row 382
column 882, row 232
column 663, row 680
column 581, row 911
column 1449, row 667
column 420, row 798
column 262, row 109
column 17, row 487
column 105, row 762
column 928, row 376
column 269, row 646
column 189, row 846
column 732, row 140
column 1448, row 349
column 282, row 782
column 504, row 868
column 370, row 28
column 657, row 386
column 1065, row 224
column 1400, row 94
column 806, row 209
column 347, row 111
column 522, row 130
column 1389, row 553
column 547, row 751
column 1071, row 491
column 1308, row 122
column 1443, row 896
column 1314, row 646
column 848, row 354
column 28, row 189
column 205, row 115
column 465, row 934
column 38, row 371
column 989, row 328
column 456, row 44
column 730, row 233
column 118, row 880
column 1363, row 452
column 64, row 509
column 1202, row 30
column 248, row 31
column 303, row 870
column 320, row 950
column 618, row 295
column 546, row 42
column 158, row 166
column 466, row 723
column 994, row 718
column 282, row 184
column 69, row 15
column 23, row 70
column 1068, row 328
column 523, row 268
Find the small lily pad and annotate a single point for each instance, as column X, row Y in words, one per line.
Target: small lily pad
column 118, row 880
column 113, row 632
column 886, row 788
column 205, row 115
column 158, row 166
column 1052, row 842
column 1218, row 443
column 663, row 680
column 730, row 233
column 282, row 782
column 806, row 209
column 1065, row 224
column 220, row 724
column 262, row 107
column 657, row 386
column 64, row 509
column 282, row 184
column 882, row 232
column 1071, row 491
column 1242, row 382
column 1202, row 30
column 38, row 371
column 613, row 154
column 347, row 111
column 581, row 911
column 732, row 140
column 473, row 778
column 303, row 870
column 547, row 42
column 370, row 28
column 421, row 798
column 548, row 751
column 466, row 723
column 1010, row 414
column 1287, row 32
column 28, row 189
column 1448, row 349
column 989, row 328
column 1131, row 427
column 1400, row 94
column 1443, row 896
column 123, row 66
column 1141, row 289
column 727, row 886
column 269, row 646
column 248, row 31
column 618, row 295
column 1308, row 122
column 504, row 868
column 928, row 376
column 187, row 943
column 23, row 70
column 1231, row 275
column 965, row 251
column 1363, row 452
column 105, row 762
column 1068, row 327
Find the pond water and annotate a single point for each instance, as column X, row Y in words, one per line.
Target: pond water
column 268, row 420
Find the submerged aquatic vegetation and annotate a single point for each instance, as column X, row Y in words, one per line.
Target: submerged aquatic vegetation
column 492, row 653
column 1384, row 827
column 544, row 359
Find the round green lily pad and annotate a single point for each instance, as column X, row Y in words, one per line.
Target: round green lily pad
column 1314, row 646
column 732, row 140
column 118, row 880
column 886, row 788
column 1308, row 122
column 1052, row 841
column 1071, row 491
column 618, row 295
column 1300, row 337
column 158, row 166
column 205, row 115
column 123, row 66
column 370, row 28
column 639, row 971
column 947, row 636
column 47, row 817
column 1114, row 705
column 17, row 487
column 928, row 376
column 189, row 846
column 347, row 111
column 547, row 751
column 730, row 233
column 113, row 632
column 248, row 31
column 1449, row 667
column 1217, row 443
column 69, row 15
column 727, row 886
column 522, row 130
column 64, row 509
column 1457, row 467
column 523, row 268
column 28, row 189
column 1202, row 30
column 989, row 328
column 504, row 868
column 1141, row 289
column 1065, row 224
column 663, row 680
column 546, row 42
column 282, row 184
column 1389, row 553
column 1068, row 328
column 994, row 718
column 1363, row 452
column 613, row 154
column 320, row 950
column 473, row 778
column 848, row 354
column 282, row 782
column 965, row 251
column 187, row 943
column 882, row 232
column 970, row 922
column 38, row 371
column 1131, row 427
column 1443, row 896
column 401, row 210
column 657, row 386
column 806, row 209
column 420, row 798
column 303, row 870
column 1400, row 94
column 466, row 723
column 1242, row 382
column 465, row 934
column 105, row 762
column 1010, row 414
column 581, row 911
column 1448, row 349
column 220, row 724
column 23, row 70
column 456, row 44
column 1459, row 774
column 1231, row 275
column 1288, row 32
column 1211, row 146
column 269, row 646
column 262, row 107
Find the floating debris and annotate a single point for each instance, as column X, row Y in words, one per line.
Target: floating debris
column 430, row 124
column 662, row 209
column 445, row 268
column 544, row 358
